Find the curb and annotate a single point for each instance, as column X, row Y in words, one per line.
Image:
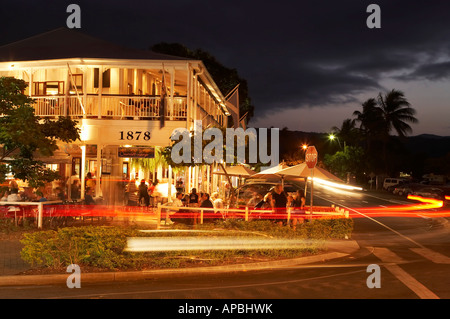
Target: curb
column 25, row 280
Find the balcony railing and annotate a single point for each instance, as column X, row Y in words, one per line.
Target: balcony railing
column 110, row 107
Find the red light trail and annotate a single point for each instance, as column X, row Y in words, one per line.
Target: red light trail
column 425, row 207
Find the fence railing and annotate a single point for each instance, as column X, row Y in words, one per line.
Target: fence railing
column 50, row 210
column 247, row 214
column 17, row 209
column 111, row 106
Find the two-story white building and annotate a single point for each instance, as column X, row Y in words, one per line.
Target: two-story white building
column 116, row 94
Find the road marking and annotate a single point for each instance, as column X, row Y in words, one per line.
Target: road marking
column 380, row 223
column 193, row 289
column 429, row 254
column 419, row 289
column 389, row 200
column 409, row 281
column 388, row 256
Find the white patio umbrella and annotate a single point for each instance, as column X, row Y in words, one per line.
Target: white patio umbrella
column 273, row 172
column 237, row 170
column 302, row 170
column 298, row 171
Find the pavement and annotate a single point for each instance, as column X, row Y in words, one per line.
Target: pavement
column 12, row 266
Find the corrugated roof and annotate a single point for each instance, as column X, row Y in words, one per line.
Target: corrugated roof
column 64, row 43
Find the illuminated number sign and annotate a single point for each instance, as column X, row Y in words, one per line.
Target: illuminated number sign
column 134, row 135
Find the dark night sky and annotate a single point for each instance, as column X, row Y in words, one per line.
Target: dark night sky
column 309, row 64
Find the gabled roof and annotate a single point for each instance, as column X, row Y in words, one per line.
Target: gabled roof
column 64, row 43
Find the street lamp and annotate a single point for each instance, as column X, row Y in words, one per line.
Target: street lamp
column 332, row 137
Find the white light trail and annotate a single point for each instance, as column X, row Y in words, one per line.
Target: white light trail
column 149, row 244
column 335, row 185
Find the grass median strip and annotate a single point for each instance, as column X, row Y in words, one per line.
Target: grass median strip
column 108, row 247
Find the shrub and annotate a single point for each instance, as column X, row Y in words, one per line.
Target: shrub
column 103, row 247
column 94, row 246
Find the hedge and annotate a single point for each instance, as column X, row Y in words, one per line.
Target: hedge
column 104, row 246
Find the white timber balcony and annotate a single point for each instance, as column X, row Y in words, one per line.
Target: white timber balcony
column 127, row 107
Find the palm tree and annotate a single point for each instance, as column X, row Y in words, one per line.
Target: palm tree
column 150, row 164
column 396, row 113
column 370, row 117
column 371, row 125
column 381, row 116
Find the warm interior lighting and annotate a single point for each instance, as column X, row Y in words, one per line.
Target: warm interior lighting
column 85, row 133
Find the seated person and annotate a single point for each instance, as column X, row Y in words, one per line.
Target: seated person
column 181, row 215
column 206, row 202
column 75, row 190
column 14, row 196
column 88, row 199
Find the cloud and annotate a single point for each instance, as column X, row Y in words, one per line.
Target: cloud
column 293, row 54
column 310, row 86
column 433, row 72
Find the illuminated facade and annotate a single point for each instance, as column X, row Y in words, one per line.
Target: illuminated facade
column 115, row 93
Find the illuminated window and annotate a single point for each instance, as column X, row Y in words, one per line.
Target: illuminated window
column 53, row 167
column 49, row 88
column 76, row 80
column 106, row 80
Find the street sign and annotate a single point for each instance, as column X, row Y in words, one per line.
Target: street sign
column 137, row 152
column 311, row 161
column 311, row 157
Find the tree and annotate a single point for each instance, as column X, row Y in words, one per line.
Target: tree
column 378, row 119
column 396, row 113
column 348, row 132
column 350, row 160
column 226, row 79
column 23, row 135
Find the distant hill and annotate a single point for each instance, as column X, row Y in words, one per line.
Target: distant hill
column 426, row 145
column 431, row 145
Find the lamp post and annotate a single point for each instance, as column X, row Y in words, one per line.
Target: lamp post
column 332, row 137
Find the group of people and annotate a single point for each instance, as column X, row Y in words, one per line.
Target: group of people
column 279, row 201
column 146, row 194
column 28, row 194
column 201, row 200
column 55, row 191
column 278, row 198
column 142, row 195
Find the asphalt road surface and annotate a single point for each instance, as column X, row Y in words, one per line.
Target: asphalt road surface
column 400, row 258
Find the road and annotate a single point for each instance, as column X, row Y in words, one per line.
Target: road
column 412, row 254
